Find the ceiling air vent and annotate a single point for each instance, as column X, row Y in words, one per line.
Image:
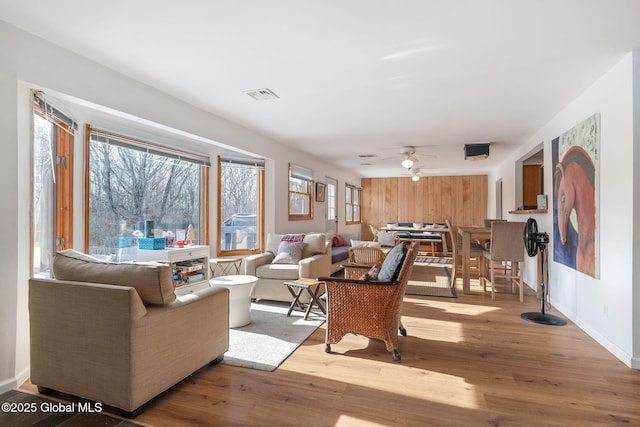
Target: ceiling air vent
column 262, row 94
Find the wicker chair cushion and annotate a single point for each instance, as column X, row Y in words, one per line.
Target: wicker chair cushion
column 372, row 274
column 392, row 263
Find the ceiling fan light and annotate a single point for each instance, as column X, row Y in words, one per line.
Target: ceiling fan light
column 415, row 178
column 407, row 163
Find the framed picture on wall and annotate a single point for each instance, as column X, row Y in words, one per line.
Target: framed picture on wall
column 320, row 191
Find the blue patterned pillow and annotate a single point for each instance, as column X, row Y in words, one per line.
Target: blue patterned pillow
column 392, row 263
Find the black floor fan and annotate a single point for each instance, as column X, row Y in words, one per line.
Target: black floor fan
column 534, row 241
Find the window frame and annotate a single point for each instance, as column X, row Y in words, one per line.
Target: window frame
column 63, row 136
column 353, row 204
column 306, row 176
column 259, row 220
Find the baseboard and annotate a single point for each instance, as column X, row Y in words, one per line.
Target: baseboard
column 14, row 382
column 623, row 356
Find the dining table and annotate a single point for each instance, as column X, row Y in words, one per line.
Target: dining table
column 424, row 229
column 468, row 233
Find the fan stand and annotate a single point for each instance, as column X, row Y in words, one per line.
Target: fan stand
column 542, row 317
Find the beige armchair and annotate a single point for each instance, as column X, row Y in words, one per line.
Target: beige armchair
column 315, row 262
column 120, row 345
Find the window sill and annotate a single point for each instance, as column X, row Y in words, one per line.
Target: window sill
column 529, row 211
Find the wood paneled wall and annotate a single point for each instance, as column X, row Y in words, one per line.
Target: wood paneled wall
column 460, row 199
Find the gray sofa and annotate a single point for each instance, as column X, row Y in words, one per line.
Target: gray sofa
column 116, row 333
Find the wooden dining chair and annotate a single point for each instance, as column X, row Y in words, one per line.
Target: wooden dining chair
column 504, row 257
column 476, row 253
column 374, row 232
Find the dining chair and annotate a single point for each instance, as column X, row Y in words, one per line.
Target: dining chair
column 476, row 251
column 374, row 232
column 506, row 252
column 487, row 224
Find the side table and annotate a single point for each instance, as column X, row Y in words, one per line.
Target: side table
column 297, row 287
column 240, row 290
column 225, row 265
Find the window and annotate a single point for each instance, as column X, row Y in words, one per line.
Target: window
column 332, row 201
column 241, row 207
column 131, row 182
column 352, row 204
column 52, row 192
column 300, row 193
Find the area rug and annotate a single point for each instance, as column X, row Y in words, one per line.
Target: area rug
column 431, row 279
column 271, row 336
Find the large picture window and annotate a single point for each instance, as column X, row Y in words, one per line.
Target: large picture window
column 52, row 193
column 300, row 193
column 352, row 204
column 132, row 184
column 241, row 206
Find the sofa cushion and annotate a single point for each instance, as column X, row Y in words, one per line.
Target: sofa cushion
column 316, row 244
column 153, row 281
column 289, row 253
column 278, row 271
column 392, row 264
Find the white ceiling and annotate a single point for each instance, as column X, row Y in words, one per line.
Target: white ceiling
column 357, row 76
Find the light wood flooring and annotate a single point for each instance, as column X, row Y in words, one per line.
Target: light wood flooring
column 468, row 361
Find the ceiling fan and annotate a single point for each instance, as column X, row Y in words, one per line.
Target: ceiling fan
column 414, row 173
column 409, row 156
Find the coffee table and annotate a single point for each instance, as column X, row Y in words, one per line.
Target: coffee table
column 240, row 290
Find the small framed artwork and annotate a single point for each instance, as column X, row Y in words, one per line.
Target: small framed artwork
column 320, row 191
column 181, row 234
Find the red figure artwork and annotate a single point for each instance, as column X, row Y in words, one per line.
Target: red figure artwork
column 574, row 197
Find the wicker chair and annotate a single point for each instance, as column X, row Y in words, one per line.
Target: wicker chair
column 366, row 255
column 369, row 308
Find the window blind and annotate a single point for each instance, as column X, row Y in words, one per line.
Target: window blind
column 52, row 113
column 300, row 172
column 255, row 163
column 107, row 137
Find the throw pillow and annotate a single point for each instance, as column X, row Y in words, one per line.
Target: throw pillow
column 293, row 238
column 387, row 238
column 372, row 274
column 338, row 241
column 289, row 253
column 355, row 243
column 392, row 263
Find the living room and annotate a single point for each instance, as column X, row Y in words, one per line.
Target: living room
column 605, row 308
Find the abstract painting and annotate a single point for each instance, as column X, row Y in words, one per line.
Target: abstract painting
column 575, row 197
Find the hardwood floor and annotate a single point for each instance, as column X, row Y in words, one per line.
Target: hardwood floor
column 468, row 361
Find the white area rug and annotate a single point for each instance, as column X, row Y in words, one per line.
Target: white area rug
column 271, row 336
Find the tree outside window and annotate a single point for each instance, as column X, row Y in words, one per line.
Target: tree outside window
column 129, row 185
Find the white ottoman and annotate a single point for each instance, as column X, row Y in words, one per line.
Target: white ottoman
column 240, row 290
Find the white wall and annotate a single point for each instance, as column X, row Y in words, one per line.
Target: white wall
column 86, row 87
column 603, row 307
